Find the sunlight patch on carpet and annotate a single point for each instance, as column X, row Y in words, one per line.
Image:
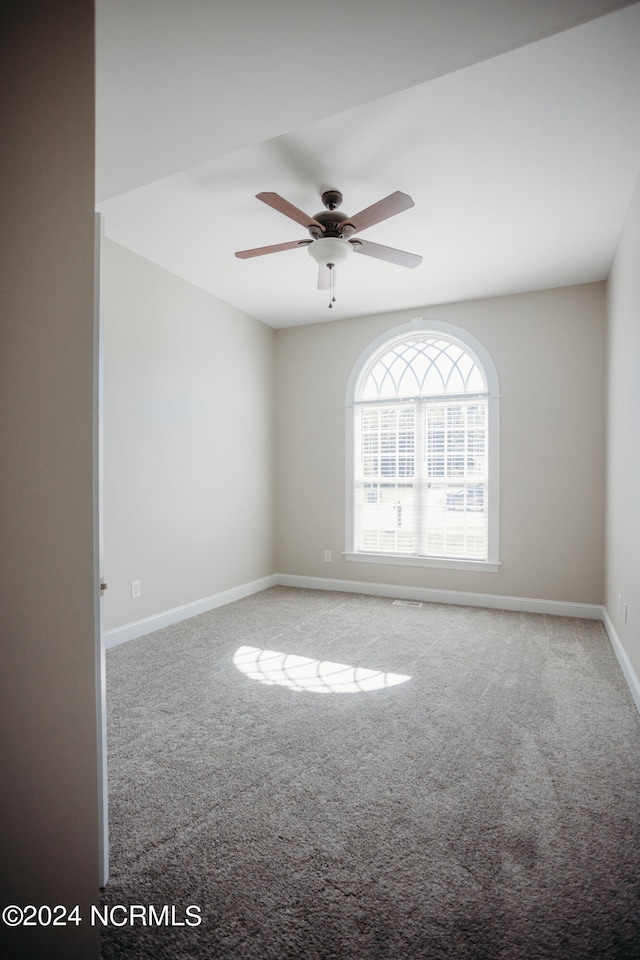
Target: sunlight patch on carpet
column 313, row 676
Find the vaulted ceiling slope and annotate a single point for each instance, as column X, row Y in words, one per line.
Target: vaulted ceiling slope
column 513, row 125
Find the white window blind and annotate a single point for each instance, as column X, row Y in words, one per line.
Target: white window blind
column 421, row 452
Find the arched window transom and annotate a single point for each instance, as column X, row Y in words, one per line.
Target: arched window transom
column 423, row 367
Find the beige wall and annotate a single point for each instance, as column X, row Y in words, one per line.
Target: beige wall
column 49, row 788
column 549, row 351
column 188, row 441
column 623, row 451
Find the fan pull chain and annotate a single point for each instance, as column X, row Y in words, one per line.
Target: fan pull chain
column 332, row 285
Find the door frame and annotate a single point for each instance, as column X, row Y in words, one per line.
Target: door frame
column 98, row 531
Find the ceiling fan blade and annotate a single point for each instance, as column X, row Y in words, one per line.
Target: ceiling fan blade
column 382, row 210
column 391, row 254
column 324, row 277
column 274, row 248
column 294, row 213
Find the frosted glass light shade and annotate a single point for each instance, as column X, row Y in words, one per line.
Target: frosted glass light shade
column 328, row 250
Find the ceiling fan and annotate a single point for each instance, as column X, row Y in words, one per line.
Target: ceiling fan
column 332, row 231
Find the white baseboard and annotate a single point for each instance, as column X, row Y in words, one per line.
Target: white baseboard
column 558, row 608
column 140, row 628
column 131, row 631
column 625, row 664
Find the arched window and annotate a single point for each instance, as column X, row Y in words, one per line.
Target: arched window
column 423, row 437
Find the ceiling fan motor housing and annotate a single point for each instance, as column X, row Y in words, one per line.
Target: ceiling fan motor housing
column 332, row 221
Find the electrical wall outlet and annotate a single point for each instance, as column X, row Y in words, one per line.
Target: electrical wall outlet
column 328, row 557
column 624, row 612
column 136, row 589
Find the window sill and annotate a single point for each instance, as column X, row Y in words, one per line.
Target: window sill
column 482, row 566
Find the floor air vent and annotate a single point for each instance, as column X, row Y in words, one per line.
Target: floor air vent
column 408, row 603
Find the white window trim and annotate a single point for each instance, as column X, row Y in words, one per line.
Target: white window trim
column 420, row 325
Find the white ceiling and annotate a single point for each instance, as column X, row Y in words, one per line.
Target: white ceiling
column 520, row 145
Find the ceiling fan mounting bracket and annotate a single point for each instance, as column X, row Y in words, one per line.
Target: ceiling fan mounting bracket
column 332, row 199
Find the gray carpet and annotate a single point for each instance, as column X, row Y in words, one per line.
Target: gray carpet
column 485, row 808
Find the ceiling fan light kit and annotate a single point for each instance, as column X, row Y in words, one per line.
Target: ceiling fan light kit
column 331, row 232
column 328, row 252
